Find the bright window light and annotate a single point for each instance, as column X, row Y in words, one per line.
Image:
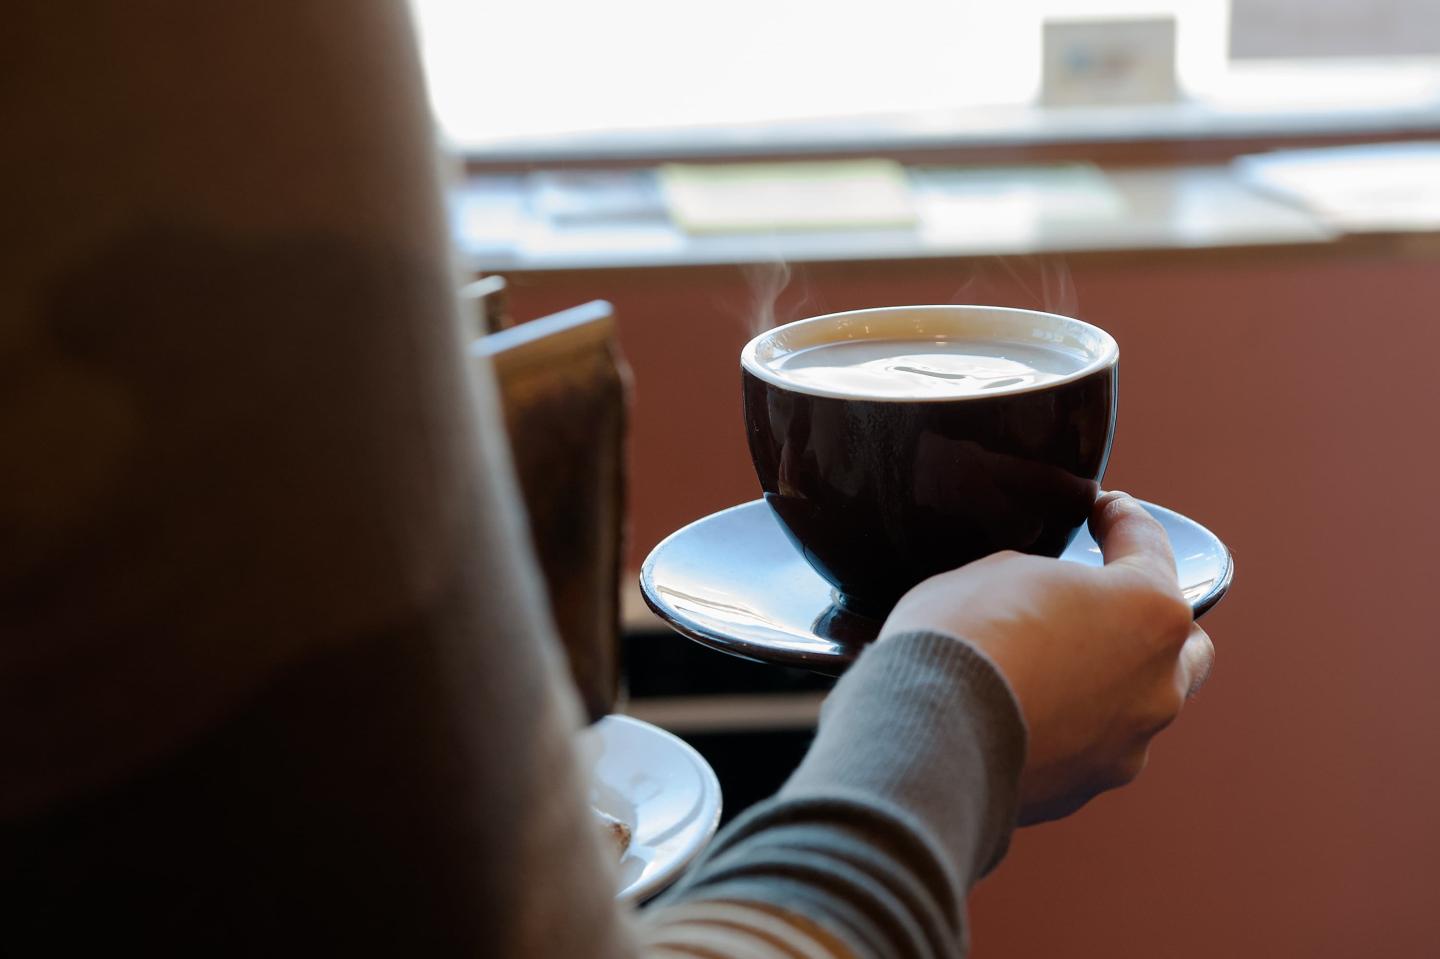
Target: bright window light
column 549, row 68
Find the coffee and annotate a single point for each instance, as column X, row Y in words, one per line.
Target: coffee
column 910, row 369
column 894, row 444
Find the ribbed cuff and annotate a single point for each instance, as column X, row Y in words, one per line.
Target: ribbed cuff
column 906, row 798
column 925, row 723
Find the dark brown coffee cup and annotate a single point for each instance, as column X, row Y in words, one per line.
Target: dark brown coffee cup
column 881, row 493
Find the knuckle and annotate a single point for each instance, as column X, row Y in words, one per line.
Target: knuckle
column 1158, row 715
column 1167, row 709
column 1128, row 768
column 1199, row 660
column 1002, row 558
column 1171, row 617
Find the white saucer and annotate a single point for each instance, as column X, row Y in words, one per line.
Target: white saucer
column 663, row 790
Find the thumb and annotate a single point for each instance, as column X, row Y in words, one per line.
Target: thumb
column 1130, row 537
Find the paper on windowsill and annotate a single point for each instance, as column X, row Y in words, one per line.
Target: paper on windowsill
column 1012, row 205
column 1373, row 188
column 766, row 197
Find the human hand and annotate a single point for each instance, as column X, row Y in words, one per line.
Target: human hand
column 1101, row 659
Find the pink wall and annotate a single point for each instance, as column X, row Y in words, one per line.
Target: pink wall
column 1292, row 403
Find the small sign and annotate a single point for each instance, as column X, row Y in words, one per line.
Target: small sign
column 1106, row 62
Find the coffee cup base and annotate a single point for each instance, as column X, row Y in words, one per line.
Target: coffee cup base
column 860, row 606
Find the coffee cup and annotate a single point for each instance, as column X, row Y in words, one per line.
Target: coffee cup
column 896, row 443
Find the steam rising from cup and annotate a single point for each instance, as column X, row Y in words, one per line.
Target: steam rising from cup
column 1045, row 282
column 767, row 283
column 1042, row 282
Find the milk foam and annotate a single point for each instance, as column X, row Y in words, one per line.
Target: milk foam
column 899, row 369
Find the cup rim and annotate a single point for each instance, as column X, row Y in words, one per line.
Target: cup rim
column 1106, row 350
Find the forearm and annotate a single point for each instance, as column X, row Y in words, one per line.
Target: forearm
column 906, row 798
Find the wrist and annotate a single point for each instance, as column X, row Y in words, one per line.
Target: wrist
column 928, row 719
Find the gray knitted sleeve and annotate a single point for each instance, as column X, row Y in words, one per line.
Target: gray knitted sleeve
column 906, row 798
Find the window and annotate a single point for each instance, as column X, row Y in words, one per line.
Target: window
column 538, row 70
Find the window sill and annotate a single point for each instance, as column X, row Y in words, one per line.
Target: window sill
column 1279, row 101
column 1182, row 208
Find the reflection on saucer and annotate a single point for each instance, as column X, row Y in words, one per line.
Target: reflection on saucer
column 845, row 628
column 733, row 581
